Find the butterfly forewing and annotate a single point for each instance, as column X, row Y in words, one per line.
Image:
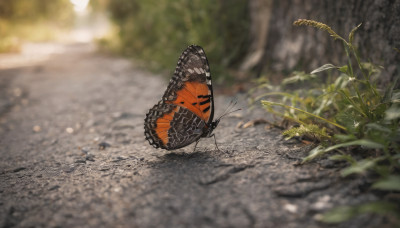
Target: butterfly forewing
column 191, row 84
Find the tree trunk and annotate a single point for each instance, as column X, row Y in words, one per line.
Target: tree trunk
column 304, row 48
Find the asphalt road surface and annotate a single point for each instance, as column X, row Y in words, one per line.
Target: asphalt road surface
column 73, row 154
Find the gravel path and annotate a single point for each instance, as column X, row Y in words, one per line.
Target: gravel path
column 73, row 154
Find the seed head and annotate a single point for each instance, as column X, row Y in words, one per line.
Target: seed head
column 318, row 25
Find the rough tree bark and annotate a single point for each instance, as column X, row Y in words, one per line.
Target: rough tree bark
column 289, row 47
column 260, row 13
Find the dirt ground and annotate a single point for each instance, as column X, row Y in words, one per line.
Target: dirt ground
column 73, row 154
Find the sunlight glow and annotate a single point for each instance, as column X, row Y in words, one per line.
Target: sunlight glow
column 79, row 5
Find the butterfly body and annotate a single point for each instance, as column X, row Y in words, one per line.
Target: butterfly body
column 186, row 110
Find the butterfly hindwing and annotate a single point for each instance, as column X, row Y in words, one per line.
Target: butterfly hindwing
column 157, row 124
column 187, row 108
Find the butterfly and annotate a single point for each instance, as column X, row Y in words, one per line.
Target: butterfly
column 186, row 111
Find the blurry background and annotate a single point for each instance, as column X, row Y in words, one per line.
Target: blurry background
column 242, row 39
column 32, row 20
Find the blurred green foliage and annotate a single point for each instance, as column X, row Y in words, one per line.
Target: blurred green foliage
column 31, row 20
column 157, row 31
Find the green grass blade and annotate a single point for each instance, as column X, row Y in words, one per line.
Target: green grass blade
column 324, row 68
column 270, row 103
column 283, row 94
column 391, row 183
column 345, row 157
column 271, row 110
column 351, row 35
column 352, row 102
column 344, row 213
column 359, row 167
column 317, row 151
column 361, row 142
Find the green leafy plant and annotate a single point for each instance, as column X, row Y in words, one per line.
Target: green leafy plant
column 346, row 113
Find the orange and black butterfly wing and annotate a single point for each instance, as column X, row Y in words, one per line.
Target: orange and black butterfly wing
column 169, row 126
column 187, row 107
column 191, row 86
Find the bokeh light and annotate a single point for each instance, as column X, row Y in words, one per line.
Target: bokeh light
column 80, row 5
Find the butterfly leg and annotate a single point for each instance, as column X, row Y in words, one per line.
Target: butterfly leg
column 215, row 141
column 195, row 145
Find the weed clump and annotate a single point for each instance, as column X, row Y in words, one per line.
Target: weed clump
column 346, row 114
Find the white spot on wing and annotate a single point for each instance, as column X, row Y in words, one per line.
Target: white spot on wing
column 208, row 74
column 190, row 71
column 197, row 70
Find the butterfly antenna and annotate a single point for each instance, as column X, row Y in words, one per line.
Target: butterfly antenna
column 231, row 104
column 229, row 108
column 229, row 113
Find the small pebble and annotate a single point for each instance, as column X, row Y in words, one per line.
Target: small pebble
column 290, row 207
column 37, row 128
column 69, row 130
column 322, row 203
column 103, row 145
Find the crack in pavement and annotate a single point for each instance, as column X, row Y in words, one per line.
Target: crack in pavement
column 300, row 190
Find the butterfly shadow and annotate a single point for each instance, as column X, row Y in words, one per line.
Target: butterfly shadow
column 177, row 185
column 182, row 155
column 188, row 156
column 185, row 167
